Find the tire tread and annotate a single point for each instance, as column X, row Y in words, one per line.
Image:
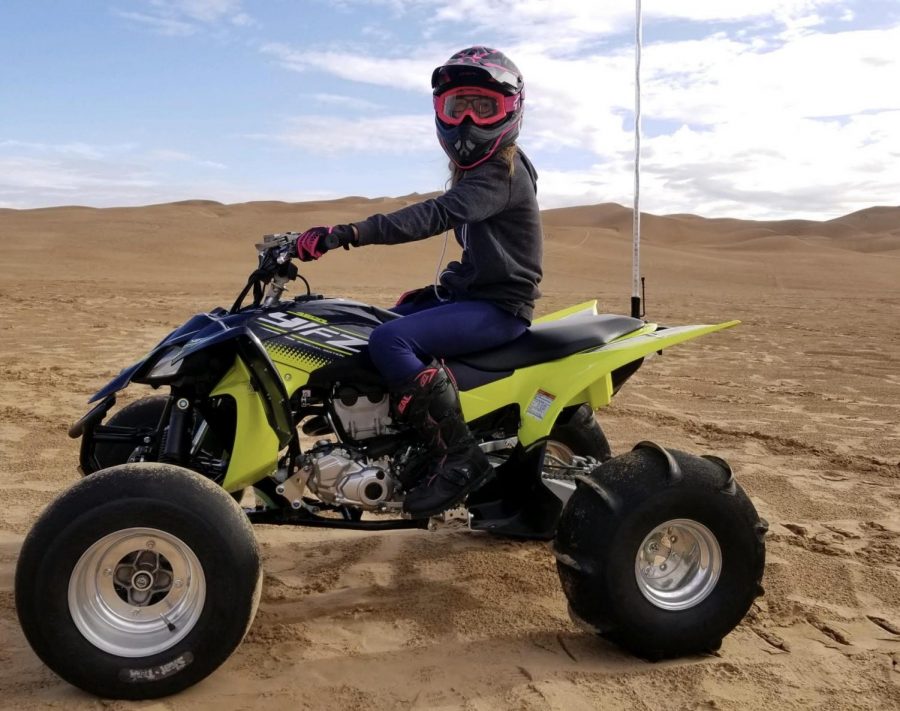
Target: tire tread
column 601, row 587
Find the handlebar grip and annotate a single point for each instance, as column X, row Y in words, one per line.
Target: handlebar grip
column 331, row 241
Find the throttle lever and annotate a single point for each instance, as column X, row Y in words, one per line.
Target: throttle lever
column 278, row 239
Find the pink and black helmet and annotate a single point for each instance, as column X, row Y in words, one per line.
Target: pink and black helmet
column 469, row 144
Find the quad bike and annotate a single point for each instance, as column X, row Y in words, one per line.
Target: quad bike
column 143, row 577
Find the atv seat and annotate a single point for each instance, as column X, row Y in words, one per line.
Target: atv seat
column 539, row 344
column 551, row 341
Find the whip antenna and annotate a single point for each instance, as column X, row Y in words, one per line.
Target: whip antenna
column 636, row 280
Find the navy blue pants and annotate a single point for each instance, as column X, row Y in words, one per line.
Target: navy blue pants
column 431, row 328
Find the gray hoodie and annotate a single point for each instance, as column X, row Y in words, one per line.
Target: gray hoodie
column 496, row 221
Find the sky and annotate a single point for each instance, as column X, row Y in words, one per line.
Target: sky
column 759, row 109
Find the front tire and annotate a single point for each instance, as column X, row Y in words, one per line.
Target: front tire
column 661, row 552
column 138, row 581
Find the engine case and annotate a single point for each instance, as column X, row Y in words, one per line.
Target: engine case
column 339, row 480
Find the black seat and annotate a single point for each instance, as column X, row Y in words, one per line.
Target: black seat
column 541, row 343
column 550, row 341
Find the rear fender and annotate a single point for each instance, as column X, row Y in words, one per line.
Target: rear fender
column 543, row 391
column 587, row 307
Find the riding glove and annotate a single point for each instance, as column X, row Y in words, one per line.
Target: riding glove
column 313, row 243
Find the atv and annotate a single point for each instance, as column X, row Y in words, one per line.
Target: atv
column 143, row 577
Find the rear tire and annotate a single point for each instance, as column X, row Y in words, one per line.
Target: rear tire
column 138, row 581
column 661, row 552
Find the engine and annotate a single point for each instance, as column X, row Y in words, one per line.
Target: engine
column 336, row 473
column 363, row 413
column 339, row 479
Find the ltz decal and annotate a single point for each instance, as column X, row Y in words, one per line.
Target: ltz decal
column 303, row 326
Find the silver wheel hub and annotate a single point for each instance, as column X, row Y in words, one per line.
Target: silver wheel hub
column 136, row 592
column 557, row 454
column 678, row 564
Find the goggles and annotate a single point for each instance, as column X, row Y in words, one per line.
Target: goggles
column 483, row 106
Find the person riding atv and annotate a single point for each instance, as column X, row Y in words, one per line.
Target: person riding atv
column 482, row 301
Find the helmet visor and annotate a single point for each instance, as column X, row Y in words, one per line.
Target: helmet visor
column 483, row 106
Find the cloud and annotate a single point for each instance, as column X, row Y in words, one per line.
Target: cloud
column 763, row 120
column 168, row 155
column 412, row 72
column 344, row 101
column 801, row 166
column 83, row 150
column 38, row 174
column 329, row 135
column 566, row 24
column 204, row 10
column 168, row 26
column 187, row 17
column 58, row 181
column 812, row 75
column 758, row 109
column 805, row 168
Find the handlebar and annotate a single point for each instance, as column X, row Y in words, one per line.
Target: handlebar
column 276, row 241
column 280, row 240
column 275, row 270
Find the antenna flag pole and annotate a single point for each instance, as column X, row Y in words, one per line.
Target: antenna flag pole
column 636, row 228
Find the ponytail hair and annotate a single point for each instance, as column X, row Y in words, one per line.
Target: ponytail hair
column 507, row 153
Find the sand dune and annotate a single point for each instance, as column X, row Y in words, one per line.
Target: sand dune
column 803, row 399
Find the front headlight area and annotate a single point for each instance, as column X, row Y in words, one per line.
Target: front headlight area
column 201, row 370
column 166, row 368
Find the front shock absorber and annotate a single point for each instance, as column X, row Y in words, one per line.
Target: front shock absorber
column 176, row 446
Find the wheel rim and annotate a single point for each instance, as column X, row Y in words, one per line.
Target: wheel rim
column 137, row 592
column 557, row 454
column 678, row 564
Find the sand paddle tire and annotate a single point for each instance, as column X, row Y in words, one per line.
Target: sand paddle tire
column 660, row 551
column 138, row 581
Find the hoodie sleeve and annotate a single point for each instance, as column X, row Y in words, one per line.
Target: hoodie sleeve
column 482, row 193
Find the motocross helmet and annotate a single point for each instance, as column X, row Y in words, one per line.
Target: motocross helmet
column 478, row 104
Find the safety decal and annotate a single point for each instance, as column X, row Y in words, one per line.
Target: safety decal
column 540, row 404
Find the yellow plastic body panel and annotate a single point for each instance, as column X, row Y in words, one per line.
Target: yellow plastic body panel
column 255, row 451
column 542, row 391
column 587, row 307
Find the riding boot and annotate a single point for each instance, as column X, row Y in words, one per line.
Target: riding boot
column 429, row 403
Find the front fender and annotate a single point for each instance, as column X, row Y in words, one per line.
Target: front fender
column 263, row 375
column 178, row 337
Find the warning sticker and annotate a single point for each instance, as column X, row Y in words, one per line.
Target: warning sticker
column 540, row 404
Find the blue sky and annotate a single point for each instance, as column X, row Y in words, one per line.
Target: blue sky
column 758, row 109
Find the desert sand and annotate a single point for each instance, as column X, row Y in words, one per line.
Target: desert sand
column 803, row 399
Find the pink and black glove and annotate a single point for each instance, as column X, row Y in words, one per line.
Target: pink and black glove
column 313, row 243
